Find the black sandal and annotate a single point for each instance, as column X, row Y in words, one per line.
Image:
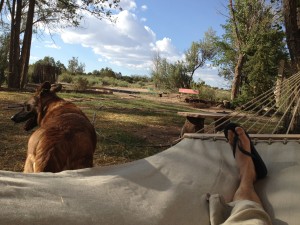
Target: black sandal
column 260, row 167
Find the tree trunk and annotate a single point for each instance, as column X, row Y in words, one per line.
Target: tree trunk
column 237, row 76
column 1, row 5
column 240, row 61
column 11, row 45
column 292, row 31
column 291, row 11
column 25, row 55
column 14, row 48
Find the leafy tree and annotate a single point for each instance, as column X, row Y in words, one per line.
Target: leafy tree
column 252, row 46
column 200, row 52
column 178, row 76
column 47, row 61
column 4, row 48
column 159, row 72
column 46, row 70
column 80, row 68
column 135, row 78
column 107, row 72
column 96, row 72
column 61, row 67
column 181, row 73
column 75, row 67
column 262, row 64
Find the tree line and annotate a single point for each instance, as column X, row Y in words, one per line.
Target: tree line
column 49, row 69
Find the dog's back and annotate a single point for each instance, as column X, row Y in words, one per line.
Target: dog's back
column 65, row 139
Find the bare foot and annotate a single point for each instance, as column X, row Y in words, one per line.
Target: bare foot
column 245, row 165
column 244, row 162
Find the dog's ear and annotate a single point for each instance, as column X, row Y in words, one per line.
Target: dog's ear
column 56, row 88
column 46, row 86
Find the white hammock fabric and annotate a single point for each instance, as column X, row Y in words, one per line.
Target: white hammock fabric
column 169, row 188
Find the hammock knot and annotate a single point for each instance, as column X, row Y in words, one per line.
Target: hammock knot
column 270, row 141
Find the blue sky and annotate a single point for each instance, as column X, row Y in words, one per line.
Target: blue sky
column 143, row 28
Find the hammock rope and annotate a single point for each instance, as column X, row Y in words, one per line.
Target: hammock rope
column 266, row 113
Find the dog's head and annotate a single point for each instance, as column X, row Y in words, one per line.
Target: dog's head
column 33, row 108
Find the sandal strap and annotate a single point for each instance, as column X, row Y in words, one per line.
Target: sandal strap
column 245, row 152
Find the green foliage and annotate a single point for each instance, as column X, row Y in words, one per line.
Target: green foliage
column 110, row 81
column 4, row 48
column 207, row 93
column 210, row 93
column 135, row 79
column 139, row 81
column 70, row 13
column 159, row 73
column 222, row 95
column 172, row 76
column 46, row 61
column 81, row 84
column 259, row 38
column 45, row 69
column 61, row 67
column 226, row 58
column 75, row 67
column 65, row 77
column 106, row 72
column 201, row 51
column 241, row 100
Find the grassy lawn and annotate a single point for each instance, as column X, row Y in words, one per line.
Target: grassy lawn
column 128, row 127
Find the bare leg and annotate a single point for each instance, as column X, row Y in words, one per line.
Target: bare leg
column 245, row 164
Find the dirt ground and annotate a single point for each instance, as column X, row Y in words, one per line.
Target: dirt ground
column 158, row 135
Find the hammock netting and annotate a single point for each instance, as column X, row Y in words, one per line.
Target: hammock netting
column 273, row 112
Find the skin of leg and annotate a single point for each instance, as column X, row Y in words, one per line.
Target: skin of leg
column 246, row 167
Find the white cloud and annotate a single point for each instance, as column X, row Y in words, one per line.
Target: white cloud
column 34, row 58
column 211, row 77
column 144, row 7
column 165, row 46
column 52, row 46
column 127, row 43
column 128, row 5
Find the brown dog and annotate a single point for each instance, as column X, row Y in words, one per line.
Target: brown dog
column 65, row 139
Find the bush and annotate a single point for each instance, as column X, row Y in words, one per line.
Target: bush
column 207, row 93
column 240, row 100
column 81, row 84
column 223, row 95
column 110, row 81
column 65, row 77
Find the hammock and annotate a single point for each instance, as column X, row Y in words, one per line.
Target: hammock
column 169, row 188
